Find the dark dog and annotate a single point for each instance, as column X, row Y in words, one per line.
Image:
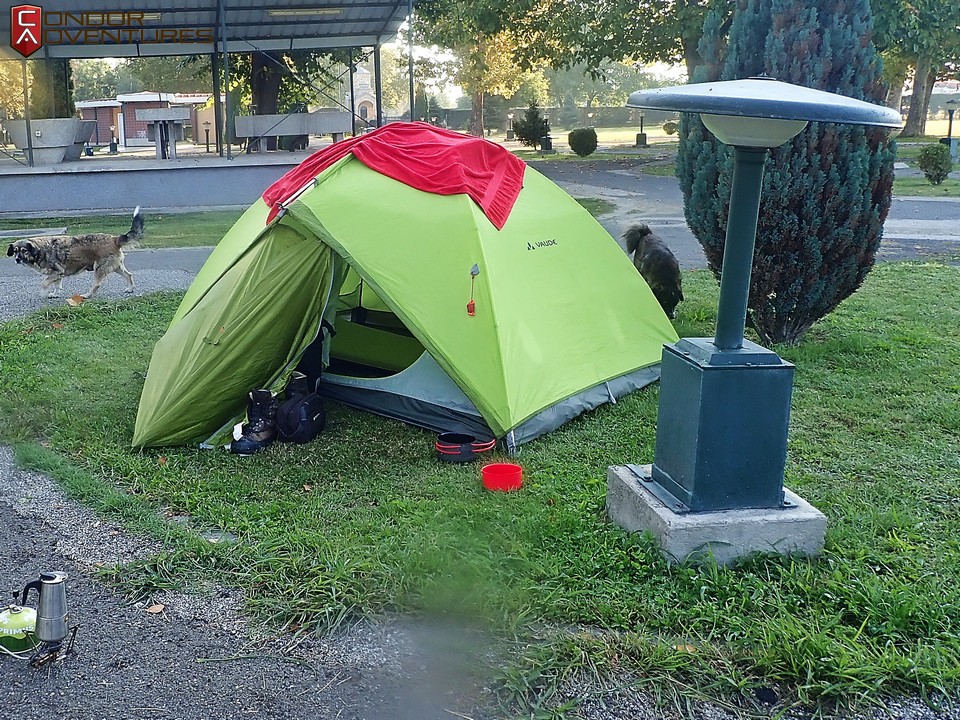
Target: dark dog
column 59, row 257
column 657, row 265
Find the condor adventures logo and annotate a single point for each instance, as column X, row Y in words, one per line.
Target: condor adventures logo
column 30, row 28
column 25, row 29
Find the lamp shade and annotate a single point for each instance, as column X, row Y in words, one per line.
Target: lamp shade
column 751, row 131
column 765, row 98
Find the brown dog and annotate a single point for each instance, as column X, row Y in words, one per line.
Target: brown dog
column 657, row 265
column 59, row 257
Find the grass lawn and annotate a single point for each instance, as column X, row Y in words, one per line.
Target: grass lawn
column 597, row 206
column 908, row 150
column 920, row 186
column 365, row 521
column 163, row 230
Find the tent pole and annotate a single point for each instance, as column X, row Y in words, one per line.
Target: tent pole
column 376, row 72
column 410, row 59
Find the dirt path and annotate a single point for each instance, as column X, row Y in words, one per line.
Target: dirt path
column 199, row 657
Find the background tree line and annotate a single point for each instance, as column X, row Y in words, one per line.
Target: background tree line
column 519, row 52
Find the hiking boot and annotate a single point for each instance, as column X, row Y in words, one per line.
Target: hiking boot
column 260, row 429
column 298, row 386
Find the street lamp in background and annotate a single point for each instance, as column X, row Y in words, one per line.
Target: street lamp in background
column 113, row 139
column 951, row 106
column 641, row 136
column 716, row 483
column 589, row 119
column 206, row 131
column 546, row 142
column 510, row 126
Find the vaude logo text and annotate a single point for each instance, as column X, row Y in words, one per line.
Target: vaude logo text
column 25, row 29
column 540, row 244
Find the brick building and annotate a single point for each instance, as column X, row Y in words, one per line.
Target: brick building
column 105, row 113
column 133, row 132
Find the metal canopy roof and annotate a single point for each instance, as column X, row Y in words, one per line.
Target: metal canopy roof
column 134, row 28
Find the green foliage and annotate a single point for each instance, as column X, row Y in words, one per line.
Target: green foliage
column 185, row 74
column 935, row 162
column 583, row 141
column 98, row 79
column 51, row 93
column 530, row 128
column 826, row 193
column 609, row 84
column 670, row 127
column 610, row 30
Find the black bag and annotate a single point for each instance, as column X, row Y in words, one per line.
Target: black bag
column 300, row 419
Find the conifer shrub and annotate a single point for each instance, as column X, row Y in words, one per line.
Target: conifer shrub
column 530, row 128
column 827, row 192
column 583, row 141
column 934, row 161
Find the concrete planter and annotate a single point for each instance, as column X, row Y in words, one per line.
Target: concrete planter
column 55, row 140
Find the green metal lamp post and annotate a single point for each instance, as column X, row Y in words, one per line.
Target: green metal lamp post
column 725, row 401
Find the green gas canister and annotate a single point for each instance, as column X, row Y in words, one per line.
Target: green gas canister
column 16, row 628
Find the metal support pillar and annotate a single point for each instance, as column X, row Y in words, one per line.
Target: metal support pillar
column 226, row 77
column 353, row 98
column 738, row 246
column 378, row 80
column 217, row 105
column 410, row 60
column 26, row 113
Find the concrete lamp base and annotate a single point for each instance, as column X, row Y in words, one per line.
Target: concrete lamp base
column 796, row 529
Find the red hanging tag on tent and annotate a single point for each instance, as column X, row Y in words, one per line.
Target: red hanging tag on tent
column 472, row 306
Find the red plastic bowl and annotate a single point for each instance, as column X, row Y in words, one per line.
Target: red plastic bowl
column 502, row 476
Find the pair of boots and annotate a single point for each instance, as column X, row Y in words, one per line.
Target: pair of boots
column 260, row 430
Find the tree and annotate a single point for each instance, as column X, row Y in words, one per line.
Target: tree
column 51, row 89
column 481, row 36
column 609, row 84
column 11, row 89
column 185, row 74
column 393, row 79
column 534, row 87
column 827, row 192
column 530, row 128
column 93, row 80
column 276, row 82
column 566, row 34
column 925, row 33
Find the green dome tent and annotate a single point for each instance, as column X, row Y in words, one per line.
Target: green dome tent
column 468, row 292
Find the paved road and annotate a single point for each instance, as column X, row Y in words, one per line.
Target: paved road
column 915, row 227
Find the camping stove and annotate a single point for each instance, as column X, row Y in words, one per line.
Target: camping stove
column 42, row 630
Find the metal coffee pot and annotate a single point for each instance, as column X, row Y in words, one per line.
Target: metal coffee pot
column 52, row 607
